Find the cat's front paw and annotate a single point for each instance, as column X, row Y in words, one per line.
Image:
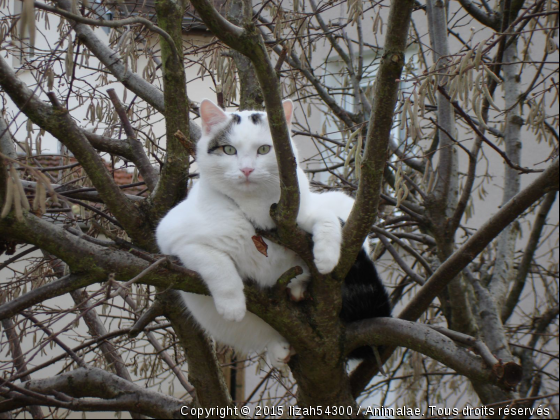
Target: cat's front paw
column 326, row 257
column 279, row 353
column 231, row 308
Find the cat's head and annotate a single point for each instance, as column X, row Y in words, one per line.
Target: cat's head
column 235, row 152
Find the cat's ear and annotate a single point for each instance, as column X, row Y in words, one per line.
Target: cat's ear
column 211, row 115
column 288, row 111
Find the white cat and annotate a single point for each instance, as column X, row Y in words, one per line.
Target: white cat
column 211, row 231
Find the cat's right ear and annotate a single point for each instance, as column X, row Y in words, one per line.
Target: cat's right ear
column 211, row 115
column 288, row 106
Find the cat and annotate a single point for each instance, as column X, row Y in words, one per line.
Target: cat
column 211, row 232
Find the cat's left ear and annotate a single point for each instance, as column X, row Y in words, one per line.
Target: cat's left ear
column 288, row 111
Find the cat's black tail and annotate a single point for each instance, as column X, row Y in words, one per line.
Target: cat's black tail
column 363, row 297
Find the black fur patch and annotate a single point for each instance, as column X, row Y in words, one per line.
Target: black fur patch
column 256, row 118
column 236, row 118
column 363, row 297
column 221, row 138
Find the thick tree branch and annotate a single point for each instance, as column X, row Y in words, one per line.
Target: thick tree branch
column 240, row 13
column 115, row 394
column 443, row 200
column 364, row 212
column 172, row 185
column 109, row 145
column 422, row 338
column 90, row 263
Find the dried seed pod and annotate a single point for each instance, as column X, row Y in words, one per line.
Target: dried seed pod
column 465, row 61
column 19, row 187
column 402, row 194
column 17, row 203
column 50, row 79
column 69, row 59
column 35, row 206
column 404, row 112
column 28, row 21
column 398, row 177
column 489, row 98
column 349, row 156
column 9, row 198
column 493, row 75
column 43, row 199
column 376, row 22
column 99, row 111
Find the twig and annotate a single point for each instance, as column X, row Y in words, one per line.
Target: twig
column 471, row 123
column 152, row 313
column 112, row 23
column 400, row 261
column 406, row 247
column 144, row 166
column 79, row 361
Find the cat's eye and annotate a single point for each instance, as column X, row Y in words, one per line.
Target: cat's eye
column 263, row 150
column 229, row 150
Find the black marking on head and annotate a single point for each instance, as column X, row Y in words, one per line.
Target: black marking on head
column 256, row 118
column 221, row 138
column 236, row 118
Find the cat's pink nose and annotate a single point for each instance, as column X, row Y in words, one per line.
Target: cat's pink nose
column 247, row 171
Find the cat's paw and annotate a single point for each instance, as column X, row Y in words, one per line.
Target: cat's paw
column 326, row 257
column 231, row 308
column 297, row 290
column 279, row 353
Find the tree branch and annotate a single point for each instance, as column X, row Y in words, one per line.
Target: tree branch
column 89, row 262
column 204, row 367
column 492, row 21
column 172, row 185
column 142, row 162
column 113, row 62
column 532, row 245
column 364, row 212
column 118, row 393
column 60, row 124
column 19, row 359
column 111, row 23
column 422, row 338
column 546, row 182
column 459, row 260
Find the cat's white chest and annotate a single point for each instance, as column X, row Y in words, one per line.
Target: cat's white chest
column 208, row 218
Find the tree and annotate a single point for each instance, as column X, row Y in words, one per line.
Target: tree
column 463, row 298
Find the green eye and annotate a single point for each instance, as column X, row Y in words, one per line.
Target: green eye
column 263, row 150
column 229, row 150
